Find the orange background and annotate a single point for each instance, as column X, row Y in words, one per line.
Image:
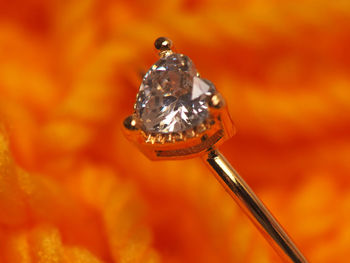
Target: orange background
column 72, row 189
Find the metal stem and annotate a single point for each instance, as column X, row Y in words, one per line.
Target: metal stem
column 253, row 207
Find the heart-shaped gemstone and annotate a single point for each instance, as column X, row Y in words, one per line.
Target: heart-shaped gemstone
column 172, row 98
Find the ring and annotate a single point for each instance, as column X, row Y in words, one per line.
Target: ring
column 180, row 115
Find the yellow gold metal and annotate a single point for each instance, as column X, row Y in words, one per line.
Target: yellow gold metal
column 164, row 45
column 203, row 141
column 253, row 207
column 216, row 101
column 186, row 146
column 201, row 128
column 190, row 133
column 169, row 138
column 130, row 123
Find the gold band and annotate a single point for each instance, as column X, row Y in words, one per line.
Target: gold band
column 253, row 207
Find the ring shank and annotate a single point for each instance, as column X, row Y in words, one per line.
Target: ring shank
column 253, row 207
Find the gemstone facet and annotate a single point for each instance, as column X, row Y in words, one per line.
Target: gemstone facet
column 172, row 98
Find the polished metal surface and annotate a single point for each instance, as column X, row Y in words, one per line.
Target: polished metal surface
column 197, row 138
column 253, row 207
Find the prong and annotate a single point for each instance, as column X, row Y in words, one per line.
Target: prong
column 164, row 45
column 160, row 138
column 216, row 101
column 169, row 138
column 130, row 123
column 151, row 139
column 180, row 137
column 190, row 133
column 201, row 128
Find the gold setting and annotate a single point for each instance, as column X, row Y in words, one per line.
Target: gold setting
column 187, row 144
column 163, row 138
column 151, row 143
column 203, row 140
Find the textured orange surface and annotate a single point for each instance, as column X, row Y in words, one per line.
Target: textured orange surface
column 72, row 189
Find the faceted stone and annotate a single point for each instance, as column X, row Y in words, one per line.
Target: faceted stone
column 172, row 98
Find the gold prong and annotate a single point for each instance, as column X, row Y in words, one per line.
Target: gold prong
column 190, row 133
column 151, row 139
column 201, row 128
column 130, row 123
column 164, row 45
column 216, row 101
column 160, row 138
column 180, row 137
column 183, row 135
column 169, row 138
column 165, row 53
column 149, row 136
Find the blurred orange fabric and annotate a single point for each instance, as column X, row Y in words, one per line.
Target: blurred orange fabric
column 72, row 189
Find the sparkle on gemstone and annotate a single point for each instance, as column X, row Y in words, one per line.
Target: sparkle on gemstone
column 172, row 98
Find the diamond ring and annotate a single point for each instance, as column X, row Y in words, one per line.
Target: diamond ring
column 179, row 115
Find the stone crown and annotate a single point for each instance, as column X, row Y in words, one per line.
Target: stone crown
column 172, row 97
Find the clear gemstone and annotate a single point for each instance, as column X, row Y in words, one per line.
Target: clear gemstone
column 172, row 98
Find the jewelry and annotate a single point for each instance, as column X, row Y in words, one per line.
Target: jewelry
column 179, row 115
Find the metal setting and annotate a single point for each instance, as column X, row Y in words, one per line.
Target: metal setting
column 203, row 140
column 164, row 45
